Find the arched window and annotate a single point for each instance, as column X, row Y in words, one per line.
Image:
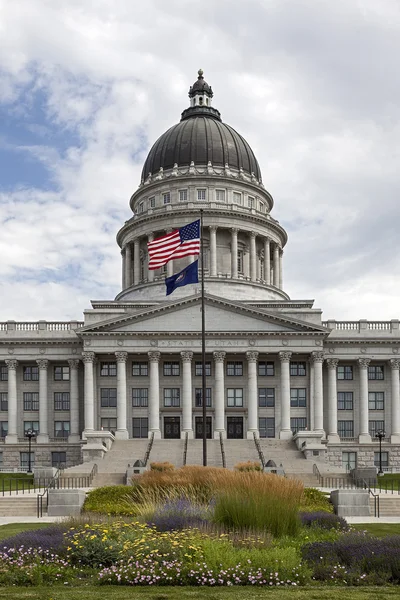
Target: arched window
column 200, row 101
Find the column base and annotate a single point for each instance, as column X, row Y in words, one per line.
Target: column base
column 364, row 438
column 285, row 434
column 217, row 432
column 157, row 433
column 395, row 438
column 121, row 434
column 187, row 431
column 42, row 438
column 333, row 438
column 11, row 438
column 251, row 432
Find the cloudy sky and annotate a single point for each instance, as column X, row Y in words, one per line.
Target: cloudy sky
column 86, row 88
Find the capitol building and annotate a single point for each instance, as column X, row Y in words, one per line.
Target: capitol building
column 132, row 368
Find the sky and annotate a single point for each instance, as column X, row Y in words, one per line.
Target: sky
column 87, row 87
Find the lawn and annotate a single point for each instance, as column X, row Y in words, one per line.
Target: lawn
column 12, row 481
column 379, row 529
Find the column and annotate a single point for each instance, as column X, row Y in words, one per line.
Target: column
column 154, row 395
column 12, row 436
column 73, row 400
column 234, row 254
column 213, row 251
column 395, row 429
column 252, row 410
column 170, row 264
column 276, row 265
column 219, row 401
column 333, row 436
column 318, row 359
column 311, row 402
column 128, row 265
column 150, row 272
column 122, row 430
column 285, row 432
column 123, row 269
column 136, row 262
column 364, row 436
column 43, row 435
column 281, row 269
column 267, row 262
column 187, row 420
column 253, row 257
column 88, row 360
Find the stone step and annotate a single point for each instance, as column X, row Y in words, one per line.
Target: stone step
column 18, row 506
column 104, row 479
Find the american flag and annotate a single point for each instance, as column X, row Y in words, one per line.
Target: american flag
column 181, row 242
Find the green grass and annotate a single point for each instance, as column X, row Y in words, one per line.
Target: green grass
column 10, row 481
column 379, row 529
column 14, row 528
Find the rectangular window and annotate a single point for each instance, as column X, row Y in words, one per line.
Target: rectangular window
column 198, row 369
column 198, row 394
column 345, row 400
column 31, row 373
column 298, row 424
column 108, row 397
column 31, row 400
column 3, row 429
column 375, row 372
column 140, row 369
column 298, row 369
column 376, row 401
column 234, row 367
column 61, row 429
column 3, row 400
column 33, row 425
column 171, row 368
column 24, row 460
column 108, row 369
column 220, row 195
column 172, row 397
column 375, row 426
column 59, row 460
column 346, row 429
column 4, row 373
column 234, row 397
column 141, row 207
column 345, row 372
column 266, row 369
column 1, row 459
column 167, row 198
column 152, row 202
column 266, row 427
column 109, row 424
column 183, row 195
column 61, row 400
column 349, row 460
column 266, row 397
column 140, row 397
column 140, row 427
column 201, row 194
column 237, row 198
column 298, row 397
column 385, row 459
column 240, row 261
column 61, row 373
column 251, row 201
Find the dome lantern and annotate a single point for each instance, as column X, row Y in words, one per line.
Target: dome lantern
column 200, row 93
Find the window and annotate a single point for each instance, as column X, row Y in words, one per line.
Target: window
column 172, row 397
column 140, row 369
column 375, row 426
column 298, row 424
column 346, row 429
column 237, row 198
column 266, row 397
column 31, row 373
column 3, row 373
column 61, row 373
column 171, row 368
column 108, row 397
column 109, row 424
column 141, row 207
column 234, row 397
column 3, row 429
column 198, row 369
column 140, row 427
column 240, row 261
column 251, row 201
column 266, row 369
column 152, row 202
column 34, row 425
column 201, row 194
column 61, row 429
column 1, row 459
column 376, row 400
column 298, row 398
column 183, row 195
column 220, row 195
column 24, row 460
column 140, row 397
column 234, row 367
column 3, row 401
column 167, row 198
column 198, row 394
column 349, row 460
column 345, row 372
column 266, row 427
column 108, row 369
column 262, row 207
column 345, row 400
column 31, row 400
column 61, row 400
column 385, row 459
column 58, row 459
column 297, row 369
column 375, row 372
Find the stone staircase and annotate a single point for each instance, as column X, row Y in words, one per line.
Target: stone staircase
column 18, row 506
column 237, row 451
column 167, row 451
column 389, row 505
column 195, row 453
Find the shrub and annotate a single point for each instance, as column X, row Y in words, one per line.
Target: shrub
column 250, row 465
column 112, row 500
column 323, row 520
column 162, row 466
column 315, row 500
column 48, row 538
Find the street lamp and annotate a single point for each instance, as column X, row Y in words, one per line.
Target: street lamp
column 30, row 433
column 380, row 435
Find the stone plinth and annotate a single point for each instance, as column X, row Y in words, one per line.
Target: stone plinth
column 65, row 503
column 351, row 503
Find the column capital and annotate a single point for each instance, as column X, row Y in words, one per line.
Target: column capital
column 11, row 363
column 219, row 356
column 394, row 363
column 186, row 357
column 154, row 356
column 213, row 228
column 74, row 363
column 88, row 357
column 332, row 363
column 234, row 230
column 317, row 357
column 121, row 357
column 252, row 356
column 364, row 363
column 43, row 363
column 253, row 234
column 285, row 356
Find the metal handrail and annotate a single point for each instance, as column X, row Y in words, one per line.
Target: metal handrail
column 148, row 450
column 185, row 448
column 221, row 443
column 317, row 473
column 60, row 482
column 259, row 450
column 39, row 499
column 375, row 497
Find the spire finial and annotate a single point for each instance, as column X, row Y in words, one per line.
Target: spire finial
column 200, row 73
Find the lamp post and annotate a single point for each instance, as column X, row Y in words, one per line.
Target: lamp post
column 380, row 435
column 30, row 433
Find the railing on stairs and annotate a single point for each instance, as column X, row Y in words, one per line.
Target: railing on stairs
column 148, row 450
column 259, row 450
column 317, row 473
column 221, row 443
column 375, row 497
column 185, row 448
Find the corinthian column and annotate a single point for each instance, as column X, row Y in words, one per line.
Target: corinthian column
column 213, row 251
column 88, row 360
column 285, row 431
column 187, row 394
column 123, row 269
column 219, row 421
column 128, row 265
column 395, row 427
column 12, row 436
column 364, row 436
column 150, row 272
column 252, row 410
column 318, row 359
column 253, row 257
column 154, row 395
column 122, row 430
column 136, row 262
column 43, row 435
column 276, row 265
column 267, row 261
column 281, row 269
column 333, row 436
column 74, row 400
column 234, row 254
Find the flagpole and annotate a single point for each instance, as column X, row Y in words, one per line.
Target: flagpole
column 203, row 345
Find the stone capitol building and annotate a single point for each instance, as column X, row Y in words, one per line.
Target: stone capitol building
column 132, row 368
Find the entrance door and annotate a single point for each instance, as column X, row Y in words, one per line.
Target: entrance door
column 199, row 427
column 172, row 428
column 235, row 428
